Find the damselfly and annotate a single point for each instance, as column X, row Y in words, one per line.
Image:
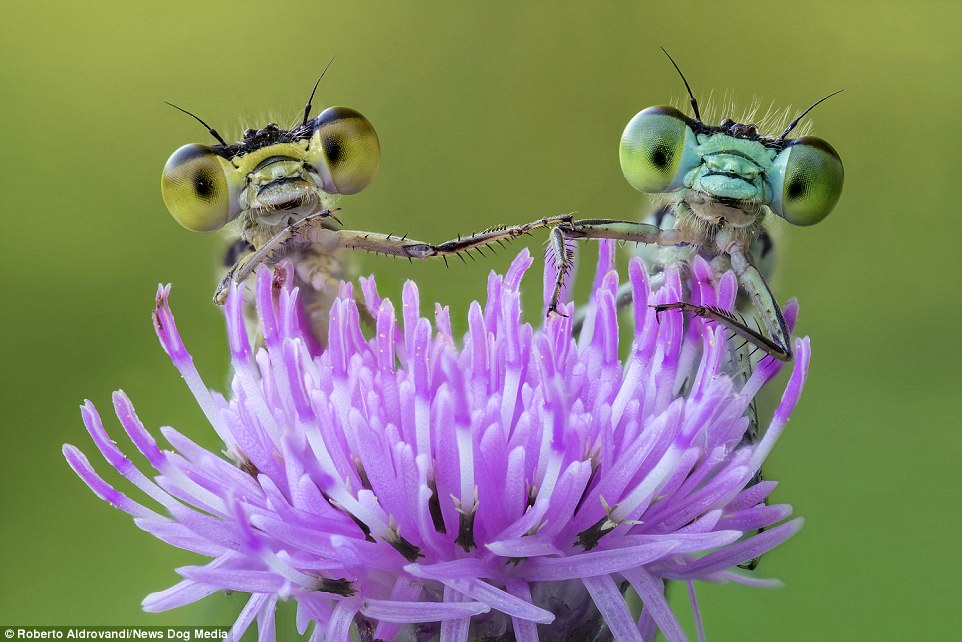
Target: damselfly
column 279, row 186
column 720, row 183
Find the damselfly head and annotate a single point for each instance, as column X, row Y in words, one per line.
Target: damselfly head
column 273, row 173
column 730, row 172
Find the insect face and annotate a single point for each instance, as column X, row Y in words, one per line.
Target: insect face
column 729, row 174
column 275, row 176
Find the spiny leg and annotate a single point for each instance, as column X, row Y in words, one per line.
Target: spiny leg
column 404, row 247
column 497, row 235
column 752, row 282
column 778, row 343
column 730, row 321
column 310, row 231
column 602, row 229
column 563, row 259
column 280, row 245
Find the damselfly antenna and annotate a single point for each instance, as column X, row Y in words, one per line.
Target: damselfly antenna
column 213, row 132
column 307, row 108
column 794, row 123
column 694, row 103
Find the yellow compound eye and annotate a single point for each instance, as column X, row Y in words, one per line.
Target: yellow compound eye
column 194, row 187
column 344, row 150
column 653, row 149
column 808, row 181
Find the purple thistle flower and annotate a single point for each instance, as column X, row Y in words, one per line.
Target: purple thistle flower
column 421, row 490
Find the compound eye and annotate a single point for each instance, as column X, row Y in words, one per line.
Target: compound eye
column 194, row 187
column 653, row 149
column 344, row 150
column 810, row 175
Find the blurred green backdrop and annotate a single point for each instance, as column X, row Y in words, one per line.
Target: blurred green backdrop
column 485, row 116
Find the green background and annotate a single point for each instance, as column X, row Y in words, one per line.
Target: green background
column 485, row 116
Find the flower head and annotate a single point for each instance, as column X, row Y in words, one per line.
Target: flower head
column 415, row 485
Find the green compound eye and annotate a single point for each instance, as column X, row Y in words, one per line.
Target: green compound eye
column 194, row 187
column 653, row 147
column 808, row 181
column 344, row 150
